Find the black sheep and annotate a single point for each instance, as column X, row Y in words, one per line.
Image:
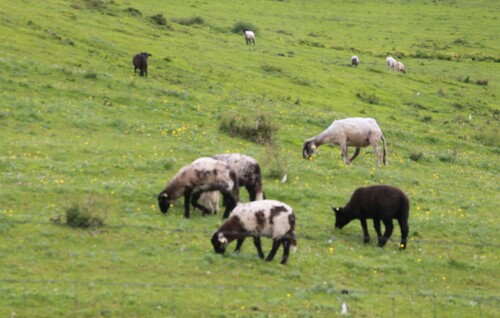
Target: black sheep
column 380, row 203
column 140, row 62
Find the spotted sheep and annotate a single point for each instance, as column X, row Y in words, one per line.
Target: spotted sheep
column 380, row 203
column 140, row 62
column 247, row 171
column 203, row 174
column 249, row 37
column 268, row 218
column 354, row 60
column 349, row 132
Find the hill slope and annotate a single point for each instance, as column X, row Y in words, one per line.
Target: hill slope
column 80, row 129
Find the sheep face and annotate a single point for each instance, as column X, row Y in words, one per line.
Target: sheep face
column 164, row 201
column 341, row 219
column 309, row 149
column 219, row 241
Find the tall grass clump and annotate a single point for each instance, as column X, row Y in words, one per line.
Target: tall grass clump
column 189, row 21
column 241, row 26
column 257, row 128
column 88, row 213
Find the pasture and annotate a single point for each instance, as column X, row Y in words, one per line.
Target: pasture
column 81, row 132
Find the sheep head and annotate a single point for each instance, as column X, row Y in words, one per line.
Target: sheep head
column 219, row 241
column 340, row 218
column 309, row 149
column 164, row 201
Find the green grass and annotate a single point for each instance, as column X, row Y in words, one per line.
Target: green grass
column 76, row 124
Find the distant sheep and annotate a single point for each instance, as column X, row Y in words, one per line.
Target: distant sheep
column 247, row 171
column 140, row 62
column 391, row 62
column 354, row 132
column 249, row 37
column 204, row 174
column 380, row 203
column 268, row 218
column 354, row 60
column 400, row 67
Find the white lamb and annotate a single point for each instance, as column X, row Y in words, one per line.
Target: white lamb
column 400, row 67
column 391, row 62
column 354, row 132
column 249, row 37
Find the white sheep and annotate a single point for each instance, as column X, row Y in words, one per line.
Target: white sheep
column 268, row 218
column 247, row 171
column 400, row 67
column 249, row 37
column 203, row 174
column 354, row 132
column 354, row 60
column 391, row 62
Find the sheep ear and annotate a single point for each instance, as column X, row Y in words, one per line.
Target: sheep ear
column 222, row 239
column 164, row 195
column 336, row 210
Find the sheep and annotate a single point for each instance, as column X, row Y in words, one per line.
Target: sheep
column 355, row 132
column 400, row 67
column 247, row 171
column 380, row 203
column 203, row 174
column 268, row 218
column 210, row 200
column 249, row 37
column 354, row 60
column 140, row 62
column 391, row 62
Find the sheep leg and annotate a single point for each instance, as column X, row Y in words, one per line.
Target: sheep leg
column 356, row 153
column 229, row 203
column 258, row 246
column 376, row 225
column 274, row 249
column 403, row 225
column 366, row 236
column 251, row 192
column 345, row 154
column 286, row 250
column 187, row 203
column 239, row 243
column 389, row 227
column 194, row 202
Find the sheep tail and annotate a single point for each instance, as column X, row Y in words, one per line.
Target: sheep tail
column 385, row 151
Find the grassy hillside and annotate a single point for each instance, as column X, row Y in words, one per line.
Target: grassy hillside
column 81, row 131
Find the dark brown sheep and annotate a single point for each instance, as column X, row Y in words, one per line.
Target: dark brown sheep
column 380, row 203
column 140, row 62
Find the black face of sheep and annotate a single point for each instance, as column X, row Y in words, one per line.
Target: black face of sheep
column 164, row 202
column 309, row 149
column 341, row 219
column 219, row 242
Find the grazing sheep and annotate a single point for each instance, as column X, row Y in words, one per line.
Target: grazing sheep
column 249, row 37
column 247, row 171
column 400, row 67
column 354, row 60
column 204, row 174
column 210, row 200
column 391, row 62
column 268, row 218
column 380, row 203
column 354, row 132
column 140, row 62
